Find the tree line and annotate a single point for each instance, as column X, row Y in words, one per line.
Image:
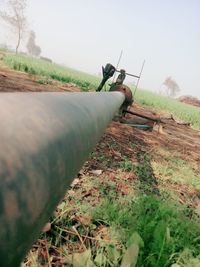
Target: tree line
column 172, row 88
column 15, row 18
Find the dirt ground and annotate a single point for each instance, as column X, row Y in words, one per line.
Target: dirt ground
column 12, row 81
column 181, row 138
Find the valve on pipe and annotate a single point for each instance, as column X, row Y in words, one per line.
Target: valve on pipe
column 45, row 139
column 108, row 71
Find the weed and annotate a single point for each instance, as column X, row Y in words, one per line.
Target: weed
column 177, row 171
column 126, row 165
column 164, row 228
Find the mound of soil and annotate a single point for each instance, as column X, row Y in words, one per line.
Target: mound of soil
column 191, row 100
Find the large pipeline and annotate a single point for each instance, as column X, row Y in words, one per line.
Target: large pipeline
column 44, row 140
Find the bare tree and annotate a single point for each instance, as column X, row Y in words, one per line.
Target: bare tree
column 172, row 86
column 32, row 48
column 15, row 17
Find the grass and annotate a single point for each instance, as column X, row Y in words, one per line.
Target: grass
column 170, row 170
column 168, row 231
column 101, row 224
column 164, row 228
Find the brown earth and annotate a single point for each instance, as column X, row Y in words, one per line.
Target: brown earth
column 12, row 81
column 191, row 100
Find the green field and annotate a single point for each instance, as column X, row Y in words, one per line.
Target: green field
column 51, row 70
column 89, row 82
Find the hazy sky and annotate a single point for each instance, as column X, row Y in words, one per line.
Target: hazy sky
column 86, row 34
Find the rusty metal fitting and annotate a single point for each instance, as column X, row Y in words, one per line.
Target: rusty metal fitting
column 127, row 93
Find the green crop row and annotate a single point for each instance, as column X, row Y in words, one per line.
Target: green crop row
column 51, row 70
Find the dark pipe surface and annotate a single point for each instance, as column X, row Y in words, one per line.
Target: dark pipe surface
column 44, row 140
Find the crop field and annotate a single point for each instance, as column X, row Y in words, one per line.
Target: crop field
column 50, row 70
column 136, row 200
column 181, row 110
column 89, row 82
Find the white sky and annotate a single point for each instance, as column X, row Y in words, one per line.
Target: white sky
column 86, row 34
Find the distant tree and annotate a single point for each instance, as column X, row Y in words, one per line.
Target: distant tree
column 14, row 17
column 32, row 48
column 172, row 86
